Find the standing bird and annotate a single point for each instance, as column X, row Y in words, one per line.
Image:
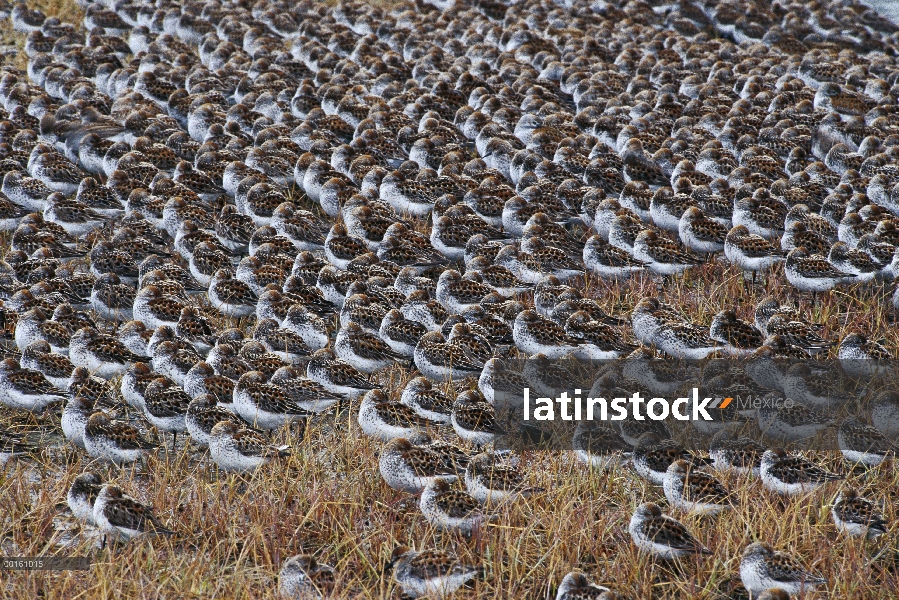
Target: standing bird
column 450, row 509
column 304, row 578
column 695, row 491
column 749, row 251
column 82, row 496
column 763, row 568
column 26, row 389
column 857, row 516
column 122, row 517
column 236, row 448
column 114, row 441
column 576, row 586
column 411, row 468
column 661, row 535
column 430, row 573
column 791, row 475
column 812, row 273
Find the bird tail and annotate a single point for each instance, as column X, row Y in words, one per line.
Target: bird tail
column 160, row 529
column 610, row 320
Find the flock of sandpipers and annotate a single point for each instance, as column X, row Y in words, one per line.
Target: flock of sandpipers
column 232, row 216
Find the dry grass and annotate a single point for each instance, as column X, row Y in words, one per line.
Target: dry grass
column 65, row 10
column 328, row 499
